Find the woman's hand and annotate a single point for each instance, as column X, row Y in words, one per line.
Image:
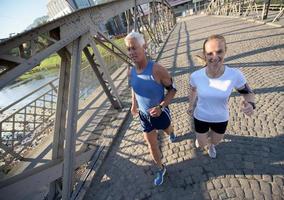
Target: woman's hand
column 247, row 108
column 189, row 110
column 191, row 106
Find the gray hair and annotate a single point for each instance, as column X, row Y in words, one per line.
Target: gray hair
column 137, row 36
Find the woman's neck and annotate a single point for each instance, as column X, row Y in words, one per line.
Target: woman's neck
column 215, row 72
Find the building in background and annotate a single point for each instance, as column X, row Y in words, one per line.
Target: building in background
column 83, row 3
column 182, row 6
column 115, row 26
column 58, row 8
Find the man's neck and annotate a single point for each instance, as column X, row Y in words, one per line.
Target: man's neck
column 141, row 65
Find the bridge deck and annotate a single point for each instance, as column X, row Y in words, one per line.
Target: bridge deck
column 250, row 162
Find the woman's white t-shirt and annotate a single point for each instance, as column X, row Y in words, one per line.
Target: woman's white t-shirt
column 213, row 93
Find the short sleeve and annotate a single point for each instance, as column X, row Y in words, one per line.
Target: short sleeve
column 240, row 79
column 192, row 81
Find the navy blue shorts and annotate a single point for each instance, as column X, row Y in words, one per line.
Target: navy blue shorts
column 203, row 127
column 150, row 123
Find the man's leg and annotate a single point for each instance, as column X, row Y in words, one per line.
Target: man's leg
column 164, row 122
column 152, row 141
column 170, row 132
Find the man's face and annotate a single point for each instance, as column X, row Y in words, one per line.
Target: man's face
column 215, row 53
column 135, row 51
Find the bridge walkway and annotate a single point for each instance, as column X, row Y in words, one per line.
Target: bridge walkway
column 250, row 161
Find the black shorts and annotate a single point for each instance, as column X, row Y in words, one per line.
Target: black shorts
column 203, row 127
column 150, row 123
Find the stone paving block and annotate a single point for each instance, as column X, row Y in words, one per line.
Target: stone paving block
column 244, row 183
column 278, row 180
column 258, row 195
column 265, row 187
column 267, row 178
column 213, row 194
column 222, row 194
column 234, row 182
column 230, row 193
column 225, row 182
column 210, row 185
column 217, row 184
column 277, row 197
column 248, row 193
column 254, row 185
column 276, row 189
column 240, row 192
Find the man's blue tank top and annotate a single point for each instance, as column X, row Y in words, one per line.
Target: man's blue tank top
column 148, row 92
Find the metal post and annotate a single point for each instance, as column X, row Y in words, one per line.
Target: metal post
column 242, row 7
column 103, row 65
column 135, row 16
column 127, row 17
column 265, row 9
column 60, row 116
column 278, row 15
column 71, row 127
column 101, row 80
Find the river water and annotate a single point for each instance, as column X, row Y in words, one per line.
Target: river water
column 12, row 93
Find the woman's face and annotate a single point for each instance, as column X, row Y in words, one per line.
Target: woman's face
column 215, row 51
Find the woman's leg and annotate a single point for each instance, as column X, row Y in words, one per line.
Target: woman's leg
column 215, row 138
column 202, row 139
column 217, row 132
column 201, row 131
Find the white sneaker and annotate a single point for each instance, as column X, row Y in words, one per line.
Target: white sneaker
column 197, row 143
column 212, row 151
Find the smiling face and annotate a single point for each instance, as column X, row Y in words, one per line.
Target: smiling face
column 214, row 52
column 135, row 50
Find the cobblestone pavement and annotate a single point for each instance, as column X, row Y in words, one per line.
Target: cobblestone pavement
column 250, row 160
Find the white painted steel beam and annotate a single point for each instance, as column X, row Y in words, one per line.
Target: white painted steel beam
column 71, row 127
column 60, row 116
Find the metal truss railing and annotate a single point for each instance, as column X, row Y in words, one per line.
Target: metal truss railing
column 21, row 130
column 69, row 37
column 245, row 8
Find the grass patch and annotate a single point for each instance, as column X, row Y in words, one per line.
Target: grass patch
column 50, row 66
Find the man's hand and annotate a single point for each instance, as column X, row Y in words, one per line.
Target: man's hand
column 155, row 111
column 247, row 108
